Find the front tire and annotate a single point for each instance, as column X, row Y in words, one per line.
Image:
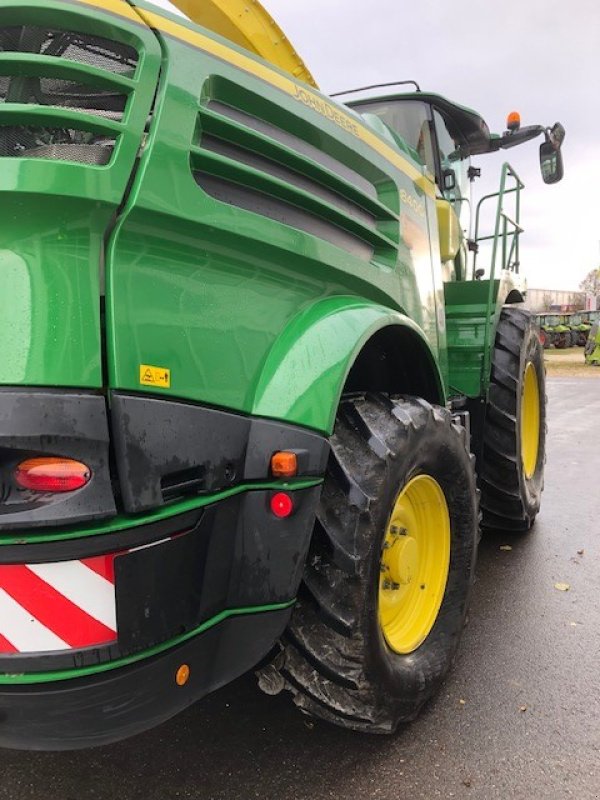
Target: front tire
column 514, row 437
column 391, row 565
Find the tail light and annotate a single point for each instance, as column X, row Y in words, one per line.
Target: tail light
column 52, row 474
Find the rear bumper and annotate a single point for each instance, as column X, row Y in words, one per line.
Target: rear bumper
column 211, row 588
column 103, row 708
column 206, row 578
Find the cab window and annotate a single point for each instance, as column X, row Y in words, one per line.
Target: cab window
column 451, row 160
column 410, row 120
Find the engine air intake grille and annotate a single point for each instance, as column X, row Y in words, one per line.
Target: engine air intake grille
column 59, row 144
column 250, row 154
column 91, row 50
column 63, row 95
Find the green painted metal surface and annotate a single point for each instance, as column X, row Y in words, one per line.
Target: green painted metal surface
column 245, row 233
column 55, row 213
column 245, row 311
column 468, row 318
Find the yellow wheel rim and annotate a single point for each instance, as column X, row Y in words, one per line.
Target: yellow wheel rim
column 530, row 421
column 415, row 560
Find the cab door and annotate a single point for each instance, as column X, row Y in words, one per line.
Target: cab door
column 453, row 203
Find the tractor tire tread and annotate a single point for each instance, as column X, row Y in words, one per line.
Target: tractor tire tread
column 325, row 657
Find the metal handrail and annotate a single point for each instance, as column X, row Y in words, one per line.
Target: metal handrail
column 505, row 228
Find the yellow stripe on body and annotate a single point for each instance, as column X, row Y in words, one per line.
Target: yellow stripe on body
column 299, row 92
column 120, row 7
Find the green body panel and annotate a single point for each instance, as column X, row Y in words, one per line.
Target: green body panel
column 467, row 317
column 310, row 361
column 245, row 311
column 249, row 238
column 472, row 313
column 248, row 311
column 55, row 214
column 49, row 278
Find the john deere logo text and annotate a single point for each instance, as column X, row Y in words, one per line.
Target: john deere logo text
column 312, row 101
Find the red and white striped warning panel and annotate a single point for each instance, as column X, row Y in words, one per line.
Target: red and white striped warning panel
column 63, row 606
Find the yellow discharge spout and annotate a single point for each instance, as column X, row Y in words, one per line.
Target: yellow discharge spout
column 248, row 24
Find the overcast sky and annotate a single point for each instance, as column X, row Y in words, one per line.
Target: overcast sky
column 539, row 57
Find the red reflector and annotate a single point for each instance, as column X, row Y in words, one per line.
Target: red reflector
column 52, row 474
column 282, row 505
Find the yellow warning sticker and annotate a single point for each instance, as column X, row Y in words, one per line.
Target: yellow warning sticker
column 155, row 376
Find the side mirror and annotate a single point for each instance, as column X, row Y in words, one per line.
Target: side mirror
column 551, row 163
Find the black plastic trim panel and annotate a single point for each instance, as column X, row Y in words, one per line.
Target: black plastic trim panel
column 35, row 422
column 86, row 712
column 98, row 544
column 232, row 554
column 167, row 449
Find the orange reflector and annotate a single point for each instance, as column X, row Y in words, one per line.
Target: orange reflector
column 50, row 474
column 513, row 121
column 282, row 505
column 284, row 464
column 182, row 675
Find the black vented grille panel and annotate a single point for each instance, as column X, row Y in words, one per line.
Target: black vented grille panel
column 61, row 144
column 63, row 94
column 31, row 83
column 254, row 155
column 82, row 48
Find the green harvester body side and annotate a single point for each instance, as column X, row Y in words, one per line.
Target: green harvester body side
column 273, row 316
column 229, row 244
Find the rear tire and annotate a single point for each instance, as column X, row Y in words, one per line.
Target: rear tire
column 512, row 468
column 337, row 660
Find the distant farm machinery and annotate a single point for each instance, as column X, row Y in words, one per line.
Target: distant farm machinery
column 566, row 330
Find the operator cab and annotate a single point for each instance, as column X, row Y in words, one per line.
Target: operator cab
column 441, row 135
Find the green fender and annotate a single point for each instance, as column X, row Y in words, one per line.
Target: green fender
column 306, row 369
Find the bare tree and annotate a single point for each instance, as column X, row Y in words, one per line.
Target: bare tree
column 591, row 282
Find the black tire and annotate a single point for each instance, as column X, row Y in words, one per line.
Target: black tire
column 336, row 660
column 510, row 500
